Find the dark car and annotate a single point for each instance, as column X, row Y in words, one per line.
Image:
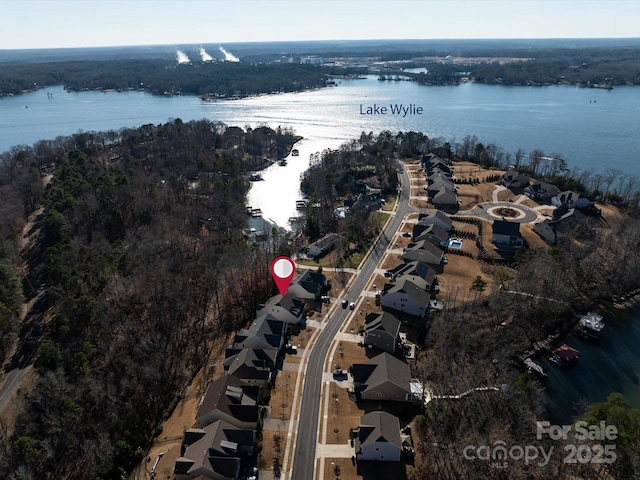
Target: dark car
column 344, row 304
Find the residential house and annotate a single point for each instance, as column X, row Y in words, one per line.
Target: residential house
column 385, row 377
column 381, row 330
column 445, row 200
column 440, row 185
column 378, row 438
column 230, row 399
column 323, row 246
column 370, row 200
column 308, row 286
column 269, row 356
column 405, row 296
column 506, row 235
column 250, row 367
column 423, row 251
column 541, row 191
column 288, row 308
column 265, row 332
column 513, row 179
column 214, row 452
column 437, row 217
column 433, row 233
column 418, row 269
column 571, row 199
column 437, row 173
column 564, row 221
column 431, row 162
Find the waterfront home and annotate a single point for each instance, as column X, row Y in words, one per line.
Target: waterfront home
column 423, row 251
column 541, row 191
column 385, row 377
column 432, row 232
column 370, row 200
column 324, row 245
column 571, row 199
column 563, row 221
column 382, row 331
column 214, row 452
column 513, row 179
column 404, row 296
column 288, row 308
column 378, row 438
column 232, row 400
column 437, row 217
column 506, row 235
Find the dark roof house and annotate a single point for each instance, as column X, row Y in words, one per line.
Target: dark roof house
column 384, row 377
column 214, row 452
column 382, row 331
column 230, row 399
column 506, row 235
column 378, row 438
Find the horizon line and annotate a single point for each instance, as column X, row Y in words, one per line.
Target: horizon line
column 173, row 44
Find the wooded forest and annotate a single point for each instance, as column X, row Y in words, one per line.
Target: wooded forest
column 134, row 262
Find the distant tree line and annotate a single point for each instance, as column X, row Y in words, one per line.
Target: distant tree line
column 220, row 79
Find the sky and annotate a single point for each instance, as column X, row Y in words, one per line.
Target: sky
column 90, row 23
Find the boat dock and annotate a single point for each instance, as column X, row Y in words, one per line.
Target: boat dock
column 254, row 212
column 534, row 367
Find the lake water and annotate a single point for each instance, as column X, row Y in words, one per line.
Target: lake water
column 608, row 365
column 595, row 130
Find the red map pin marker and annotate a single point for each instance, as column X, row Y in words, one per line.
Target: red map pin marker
column 283, row 269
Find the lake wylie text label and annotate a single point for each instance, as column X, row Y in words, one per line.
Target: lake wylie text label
column 393, row 109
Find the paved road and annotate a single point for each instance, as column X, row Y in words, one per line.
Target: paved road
column 307, row 433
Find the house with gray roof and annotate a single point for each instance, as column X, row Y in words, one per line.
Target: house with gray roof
column 514, row 179
column 416, row 269
column 437, row 217
column 265, row 331
column 384, row 377
column 382, row 331
column 405, row 296
column 378, row 438
column 250, row 367
column 288, row 309
column 324, row 245
column 541, row 191
column 230, row 399
column 308, row 285
column 432, row 232
column 571, row 199
column 423, row 251
column 438, row 185
column 214, row 452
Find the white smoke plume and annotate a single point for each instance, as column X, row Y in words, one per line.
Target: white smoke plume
column 205, row 56
column 182, row 57
column 228, row 56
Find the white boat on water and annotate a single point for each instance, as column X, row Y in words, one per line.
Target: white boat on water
column 591, row 324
